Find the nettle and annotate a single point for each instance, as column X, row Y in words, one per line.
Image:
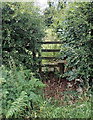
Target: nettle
column 21, row 93
column 75, row 30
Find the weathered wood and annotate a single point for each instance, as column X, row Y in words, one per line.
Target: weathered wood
column 40, row 62
column 49, row 65
column 61, row 61
column 59, row 64
column 49, row 58
column 50, row 50
column 50, row 42
column 61, row 67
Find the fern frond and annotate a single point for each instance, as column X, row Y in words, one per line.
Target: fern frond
column 18, row 105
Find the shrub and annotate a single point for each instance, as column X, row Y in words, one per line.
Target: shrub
column 75, row 30
column 21, row 93
column 22, row 28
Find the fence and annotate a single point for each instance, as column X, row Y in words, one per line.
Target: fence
column 59, row 64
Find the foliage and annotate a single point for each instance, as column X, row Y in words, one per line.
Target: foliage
column 74, row 29
column 52, row 11
column 51, row 15
column 22, row 98
column 22, row 28
column 50, row 36
column 48, row 13
column 78, row 110
column 21, row 93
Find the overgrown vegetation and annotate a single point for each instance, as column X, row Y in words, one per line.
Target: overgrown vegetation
column 50, row 36
column 22, row 90
column 75, row 30
column 22, row 97
column 22, row 28
column 79, row 110
column 21, row 93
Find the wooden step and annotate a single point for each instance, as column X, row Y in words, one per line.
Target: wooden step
column 49, row 58
column 49, row 65
column 50, row 50
column 50, row 42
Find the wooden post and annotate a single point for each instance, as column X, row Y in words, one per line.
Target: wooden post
column 61, row 67
column 40, row 61
column 34, row 60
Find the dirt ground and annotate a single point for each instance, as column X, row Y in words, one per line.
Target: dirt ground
column 56, row 86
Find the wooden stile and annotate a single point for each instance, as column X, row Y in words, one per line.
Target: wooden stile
column 57, row 64
column 50, row 42
column 50, row 50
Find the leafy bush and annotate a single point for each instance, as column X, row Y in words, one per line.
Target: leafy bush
column 20, row 93
column 75, row 30
column 22, row 28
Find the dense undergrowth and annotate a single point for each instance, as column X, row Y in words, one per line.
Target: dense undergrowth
column 21, row 93
column 22, row 90
column 78, row 110
column 22, row 97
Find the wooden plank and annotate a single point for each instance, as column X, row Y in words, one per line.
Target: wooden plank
column 40, row 61
column 61, row 61
column 50, row 50
column 49, row 65
column 49, row 58
column 50, row 42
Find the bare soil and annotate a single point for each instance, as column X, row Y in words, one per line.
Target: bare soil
column 56, row 87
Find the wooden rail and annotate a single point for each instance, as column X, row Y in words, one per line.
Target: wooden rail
column 49, row 65
column 50, row 50
column 49, row 58
column 59, row 64
column 50, row 42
